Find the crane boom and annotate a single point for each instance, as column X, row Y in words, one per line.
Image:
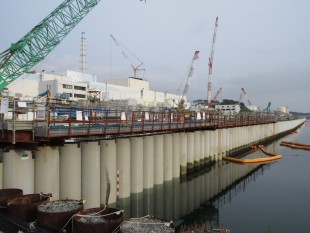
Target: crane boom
column 135, row 68
column 211, row 62
column 217, row 94
column 189, row 77
column 246, row 96
column 42, row 39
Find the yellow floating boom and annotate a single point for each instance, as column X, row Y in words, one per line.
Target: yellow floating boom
column 295, row 145
column 272, row 157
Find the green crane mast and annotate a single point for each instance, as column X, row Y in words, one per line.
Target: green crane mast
column 42, row 39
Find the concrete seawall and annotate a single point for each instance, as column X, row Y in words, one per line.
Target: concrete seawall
column 87, row 170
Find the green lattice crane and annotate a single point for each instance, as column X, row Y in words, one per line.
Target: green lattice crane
column 42, row 39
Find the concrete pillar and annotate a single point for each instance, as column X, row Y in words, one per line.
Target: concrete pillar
column 183, row 153
column 207, row 148
column 183, row 200
column 224, row 143
column 148, row 162
column 158, row 159
column 220, row 143
column 190, row 150
column 159, row 201
column 148, row 175
column 70, row 172
column 216, row 145
column 197, row 149
column 168, row 200
column 18, row 170
column 1, row 175
column 211, row 146
column 123, row 165
column 108, row 172
column 47, row 171
column 176, row 197
column 167, row 157
column 202, row 148
column 176, row 155
column 190, row 195
column 91, row 174
column 136, row 165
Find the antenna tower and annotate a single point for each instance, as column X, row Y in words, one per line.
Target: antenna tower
column 83, row 54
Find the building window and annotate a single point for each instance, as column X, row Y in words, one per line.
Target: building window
column 66, row 86
column 80, row 88
column 79, row 96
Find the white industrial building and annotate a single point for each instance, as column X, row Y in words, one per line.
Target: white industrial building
column 77, row 86
column 228, row 109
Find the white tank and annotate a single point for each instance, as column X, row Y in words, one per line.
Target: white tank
column 284, row 109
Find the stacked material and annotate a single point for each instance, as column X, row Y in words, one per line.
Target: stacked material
column 97, row 220
column 146, row 224
column 56, row 215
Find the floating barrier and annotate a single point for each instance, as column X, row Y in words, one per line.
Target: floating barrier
column 272, row 158
column 25, row 207
column 295, row 145
column 98, row 220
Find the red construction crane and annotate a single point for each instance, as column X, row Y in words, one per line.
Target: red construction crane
column 246, row 96
column 189, row 77
column 211, row 62
column 122, row 47
column 217, row 94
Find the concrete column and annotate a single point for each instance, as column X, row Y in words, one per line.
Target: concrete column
column 219, row 143
column 70, row 172
column 91, row 174
column 168, row 200
column 207, row 147
column 211, row 146
column 167, row 157
column 136, row 165
column 183, row 201
column 176, row 197
column 47, row 171
column 123, row 165
column 149, row 174
column 197, row 149
column 183, row 153
column 158, row 159
column 108, row 172
column 190, row 195
column 190, row 150
column 148, row 162
column 216, row 145
column 18, row 170
column 224, row 143
column 202, row 148
column 1, row 175
column 176, row 155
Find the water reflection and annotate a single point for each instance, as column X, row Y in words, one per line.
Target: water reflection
column 197, row 196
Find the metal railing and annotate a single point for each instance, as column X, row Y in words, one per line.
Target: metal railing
column 90, row 121
column 50, row 120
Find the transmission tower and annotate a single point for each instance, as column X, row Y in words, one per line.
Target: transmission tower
column 83, row 54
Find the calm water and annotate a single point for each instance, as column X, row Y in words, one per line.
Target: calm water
column 254, row 198
column 278, row 198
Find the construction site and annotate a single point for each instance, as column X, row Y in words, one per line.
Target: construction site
column 109, row 142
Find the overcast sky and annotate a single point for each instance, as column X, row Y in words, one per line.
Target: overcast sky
column 262, row 45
